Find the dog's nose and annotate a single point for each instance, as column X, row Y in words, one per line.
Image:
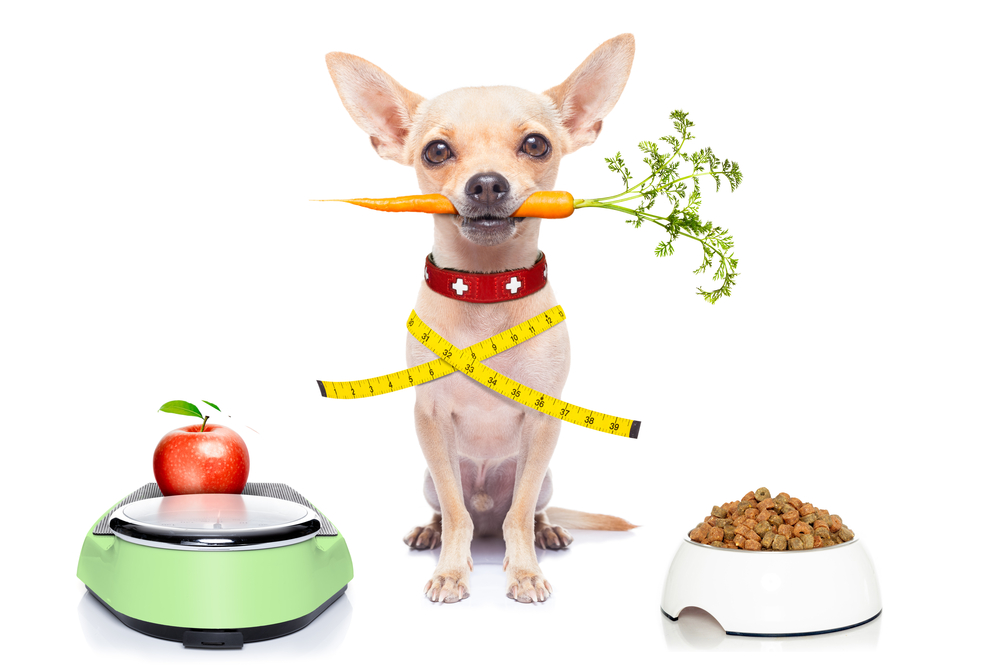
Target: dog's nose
column 487, row 188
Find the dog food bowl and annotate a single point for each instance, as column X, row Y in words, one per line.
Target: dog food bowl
column 774, row 594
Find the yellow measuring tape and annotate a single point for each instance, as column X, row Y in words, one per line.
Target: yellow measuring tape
column 467, row 361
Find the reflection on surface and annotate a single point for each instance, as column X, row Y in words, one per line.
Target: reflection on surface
column 489, row 551
column 697, row 630
column 104, row 632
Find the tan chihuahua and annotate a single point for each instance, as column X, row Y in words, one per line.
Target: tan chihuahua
column 487, row 149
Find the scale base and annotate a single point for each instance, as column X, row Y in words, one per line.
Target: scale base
column 224, row 638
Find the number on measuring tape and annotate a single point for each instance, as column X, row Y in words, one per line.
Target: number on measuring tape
column 466, row 361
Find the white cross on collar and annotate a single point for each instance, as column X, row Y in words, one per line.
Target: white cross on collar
column 513, row 286
column 460, row 287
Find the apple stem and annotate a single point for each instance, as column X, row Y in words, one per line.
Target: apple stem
column 203, row 423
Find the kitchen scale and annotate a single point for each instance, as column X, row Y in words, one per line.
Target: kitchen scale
column 215, row 570
column 774, row 594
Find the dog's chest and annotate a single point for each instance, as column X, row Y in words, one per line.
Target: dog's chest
column 541, row 362
column 488, row 425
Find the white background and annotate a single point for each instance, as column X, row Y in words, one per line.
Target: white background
column 159, row 243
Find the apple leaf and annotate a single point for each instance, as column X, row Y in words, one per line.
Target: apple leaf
column 181, row 408
column 212, row 405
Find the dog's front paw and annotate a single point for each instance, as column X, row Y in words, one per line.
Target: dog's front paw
column 527, row 585
column 448, row 585
column 552, row 537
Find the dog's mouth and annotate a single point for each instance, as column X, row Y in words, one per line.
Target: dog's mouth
column 488, row 230
column 488, row 221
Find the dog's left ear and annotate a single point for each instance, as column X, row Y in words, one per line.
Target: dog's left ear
column 377, row 103
column 588, row 95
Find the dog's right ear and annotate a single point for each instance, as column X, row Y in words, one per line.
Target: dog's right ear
column 588, row 95
column 378, row 104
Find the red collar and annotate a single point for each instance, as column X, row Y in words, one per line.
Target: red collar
column 486, row 287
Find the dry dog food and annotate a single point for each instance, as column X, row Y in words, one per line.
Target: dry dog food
column 759, row 522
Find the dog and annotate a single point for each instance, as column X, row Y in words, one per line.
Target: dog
column 486, row 149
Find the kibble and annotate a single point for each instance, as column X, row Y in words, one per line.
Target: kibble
column 760, row 521
column 801, row 529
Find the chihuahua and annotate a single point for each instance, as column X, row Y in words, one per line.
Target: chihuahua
column 486, row 149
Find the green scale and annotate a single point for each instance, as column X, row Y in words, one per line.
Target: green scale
column 215, row 570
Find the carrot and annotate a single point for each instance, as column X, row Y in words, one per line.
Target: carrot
column 419, row 203
column 667, row 182
column 550, row 205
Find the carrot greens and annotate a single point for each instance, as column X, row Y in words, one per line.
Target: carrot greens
column 679, row 183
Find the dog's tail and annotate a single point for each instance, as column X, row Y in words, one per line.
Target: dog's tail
column 574, row 519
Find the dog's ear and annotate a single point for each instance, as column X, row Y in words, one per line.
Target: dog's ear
column 588, row 95
column 380, row 105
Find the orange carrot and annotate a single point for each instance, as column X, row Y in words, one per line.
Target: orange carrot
column 550, row 205
column 419, row 203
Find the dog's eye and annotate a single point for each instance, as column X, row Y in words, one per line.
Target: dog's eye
column 437, row 151
column 535, row 145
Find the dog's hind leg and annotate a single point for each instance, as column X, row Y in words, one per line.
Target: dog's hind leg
column 425, row 537
column 428, row 536
column 548, row 536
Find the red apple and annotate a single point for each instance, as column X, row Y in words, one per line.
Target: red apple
column 191, row 461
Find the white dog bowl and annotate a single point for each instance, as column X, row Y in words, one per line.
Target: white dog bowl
column 774, row 594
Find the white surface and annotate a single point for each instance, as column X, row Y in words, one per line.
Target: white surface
column 159, row 244
column 770, row 593
column 202, row 514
